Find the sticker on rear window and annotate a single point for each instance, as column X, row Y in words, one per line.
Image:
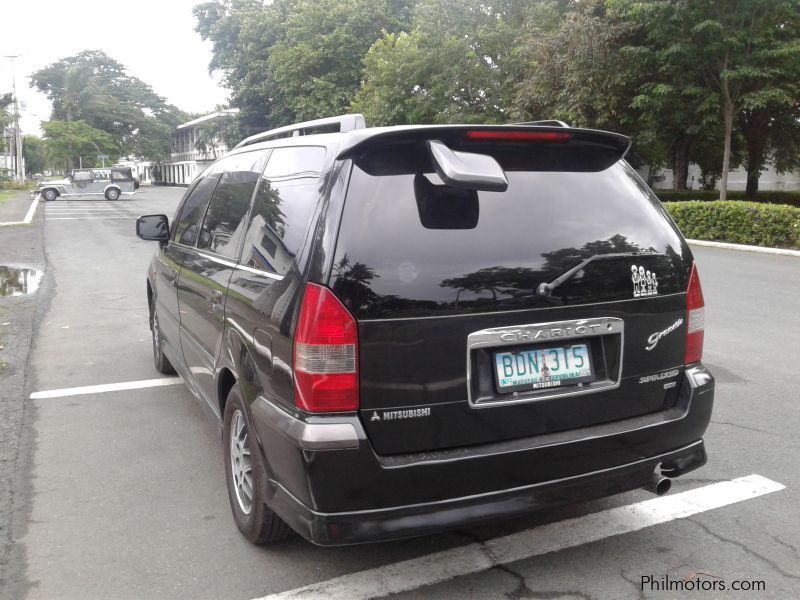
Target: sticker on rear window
column 645, row 283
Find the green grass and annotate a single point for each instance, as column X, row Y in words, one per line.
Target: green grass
column 6, row 195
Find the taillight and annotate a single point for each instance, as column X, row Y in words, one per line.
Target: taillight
column 325, row 354
column 695, row 319
column 518, row 136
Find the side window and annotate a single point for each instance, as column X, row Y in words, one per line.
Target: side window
column 285, row 199
column 82, row 176
column 185, row 229
column 223, row 225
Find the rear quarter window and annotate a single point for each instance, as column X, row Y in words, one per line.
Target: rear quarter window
column 285, row 199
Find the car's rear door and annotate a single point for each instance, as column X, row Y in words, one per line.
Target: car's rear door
column 457, row 345
column 207, row 266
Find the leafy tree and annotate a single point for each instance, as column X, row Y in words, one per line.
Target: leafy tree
column 241, row 33
column 769, row 133
column 317, row 63
column 292, row 59
column 67, row 141
column 744, row 53
column 574, row 71
column 95, row 88
column 35, row 154
column 582, row 67
column 456, row 64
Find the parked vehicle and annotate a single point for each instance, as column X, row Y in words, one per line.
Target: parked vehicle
column 410, row 329
column 110, row 183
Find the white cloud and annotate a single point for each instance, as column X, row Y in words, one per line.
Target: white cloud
column 154, row 39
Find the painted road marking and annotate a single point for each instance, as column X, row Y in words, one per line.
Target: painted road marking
column 31, row 210
column 28, row 216
column 106, row 387
column 443, row 566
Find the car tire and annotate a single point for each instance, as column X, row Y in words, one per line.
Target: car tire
column 247, row 494
column 49, row 195
column 112, row 194
column 160, row 361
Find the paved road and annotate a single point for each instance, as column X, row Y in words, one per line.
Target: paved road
column 125, row 496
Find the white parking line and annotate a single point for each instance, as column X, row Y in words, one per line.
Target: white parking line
column 28, row 215
column 106, row 387
column 443, row 566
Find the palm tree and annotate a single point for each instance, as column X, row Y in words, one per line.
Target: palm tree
column 83, row 94
column 206, row 143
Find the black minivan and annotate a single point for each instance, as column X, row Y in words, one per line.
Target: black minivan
column 409, row 329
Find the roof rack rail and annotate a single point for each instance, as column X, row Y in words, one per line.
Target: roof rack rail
column 339, row 123
column 545, row 123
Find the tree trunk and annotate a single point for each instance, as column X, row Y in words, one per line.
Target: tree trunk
column 752, row 184
column 726, row 156
column 680, row 163
column 755, row 128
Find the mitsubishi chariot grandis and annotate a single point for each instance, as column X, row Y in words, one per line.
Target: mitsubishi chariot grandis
column 411, row 329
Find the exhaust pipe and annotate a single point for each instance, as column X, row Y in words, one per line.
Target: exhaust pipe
column 658, row 484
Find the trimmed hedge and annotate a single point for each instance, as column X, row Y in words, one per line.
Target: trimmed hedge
column 750, row 223
column 765, row 196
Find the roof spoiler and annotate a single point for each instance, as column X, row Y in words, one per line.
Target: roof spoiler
column 466, row 137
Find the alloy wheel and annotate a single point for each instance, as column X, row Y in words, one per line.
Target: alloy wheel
column 241, row 466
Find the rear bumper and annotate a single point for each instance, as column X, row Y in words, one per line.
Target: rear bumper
column 330, row 486
column 420, row 519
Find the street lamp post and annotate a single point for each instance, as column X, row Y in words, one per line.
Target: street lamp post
column 18, row 168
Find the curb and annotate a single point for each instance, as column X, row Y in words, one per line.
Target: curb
column 745, row 248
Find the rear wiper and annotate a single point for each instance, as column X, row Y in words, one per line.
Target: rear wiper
column 545, row 290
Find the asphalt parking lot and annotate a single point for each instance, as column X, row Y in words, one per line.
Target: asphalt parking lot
column 120, row 493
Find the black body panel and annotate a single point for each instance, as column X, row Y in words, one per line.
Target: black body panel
column 427, row 273
column 354, row 495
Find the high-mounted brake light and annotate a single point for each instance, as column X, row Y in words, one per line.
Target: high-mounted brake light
column 325, row 354
column 695, row 319
column 518, row 136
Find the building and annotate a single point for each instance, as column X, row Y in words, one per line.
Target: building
column 193, row 148
column 661, row 179
column 8, row 159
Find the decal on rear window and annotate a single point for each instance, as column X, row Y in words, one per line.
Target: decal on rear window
column 644, row 282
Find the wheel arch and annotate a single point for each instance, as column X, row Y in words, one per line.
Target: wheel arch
column 237, row 364
column 150, row 299
column 225, row 381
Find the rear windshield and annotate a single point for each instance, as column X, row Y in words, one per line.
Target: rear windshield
column 409, row 246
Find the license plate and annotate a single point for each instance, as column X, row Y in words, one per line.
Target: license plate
column 537, row 368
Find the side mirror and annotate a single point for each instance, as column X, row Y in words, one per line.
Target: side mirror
column 466, row 170
column 154, row 228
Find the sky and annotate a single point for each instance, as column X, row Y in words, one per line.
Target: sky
column 154, row 39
